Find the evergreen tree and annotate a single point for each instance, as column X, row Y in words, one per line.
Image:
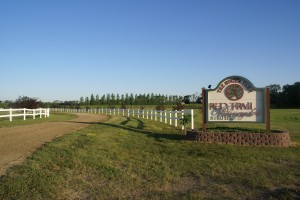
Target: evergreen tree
column 97, row 100
column 152, row 99
column 131, row 99
column 81, row 102
column 126, row 99
column 113, row 99
column 122, row 100
column 135, row 100
column 118, row 99
column 170, row 100
column 102, row 100
column 87, row 101
column 148, row 99
column 108, row 99
column 92, row 100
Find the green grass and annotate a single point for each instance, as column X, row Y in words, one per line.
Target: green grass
column 131, row 158
column 17, row 121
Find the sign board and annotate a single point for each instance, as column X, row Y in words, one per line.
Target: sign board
column 235, row 99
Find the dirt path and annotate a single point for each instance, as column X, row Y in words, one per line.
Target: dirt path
column 17, row 143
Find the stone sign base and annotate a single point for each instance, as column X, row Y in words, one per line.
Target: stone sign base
column 279, row 139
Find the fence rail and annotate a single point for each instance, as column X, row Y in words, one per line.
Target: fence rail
column 10, row 113
column 164, row 116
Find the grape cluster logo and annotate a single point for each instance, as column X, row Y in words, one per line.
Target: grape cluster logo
column 234, row 92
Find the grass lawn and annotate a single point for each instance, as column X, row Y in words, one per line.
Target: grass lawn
column 131, row 158
column 17, row 121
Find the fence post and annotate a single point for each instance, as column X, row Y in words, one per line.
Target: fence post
column 161, row 116
column 24, row 113
column 166, row 120
column 170, row 117
column 147, row 114
column 143, row 114
column 10, row 114
column 192, row 119
column 176, row 118
column 155, row 116
column 33, row 113
column 182, row 113
column 40, row 113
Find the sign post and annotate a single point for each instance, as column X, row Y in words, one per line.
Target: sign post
column 268, row 124
column 203, row 110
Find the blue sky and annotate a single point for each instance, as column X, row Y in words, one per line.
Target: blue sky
column 65, row 49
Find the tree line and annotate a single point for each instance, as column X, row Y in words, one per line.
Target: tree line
column 123, row 100
column 287, row 96
column 109, row 100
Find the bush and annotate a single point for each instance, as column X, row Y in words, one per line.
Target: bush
column 160, row 107
column 27, row 102
column 123, row 106
column 178, row 106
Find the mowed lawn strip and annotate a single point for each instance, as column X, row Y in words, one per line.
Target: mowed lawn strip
column 18, row 121
column 131, row 158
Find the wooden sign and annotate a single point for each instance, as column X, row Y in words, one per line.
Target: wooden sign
column 235, row 99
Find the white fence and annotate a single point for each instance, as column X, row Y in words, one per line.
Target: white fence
column 164, row 116
column 10, row 113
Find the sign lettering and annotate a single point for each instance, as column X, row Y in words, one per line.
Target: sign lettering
column 235, row 99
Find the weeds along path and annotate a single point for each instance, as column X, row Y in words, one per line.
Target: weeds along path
column 19, row 142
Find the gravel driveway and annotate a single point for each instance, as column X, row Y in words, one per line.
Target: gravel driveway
column 19, row 142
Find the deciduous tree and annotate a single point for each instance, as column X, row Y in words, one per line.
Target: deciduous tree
column 27, row 102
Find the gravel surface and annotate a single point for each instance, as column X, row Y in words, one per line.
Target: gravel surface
column 19, row 142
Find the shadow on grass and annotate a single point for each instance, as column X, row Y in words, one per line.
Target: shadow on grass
column 128, row 119
column 76, row 122
column 157, row 136
column 139, row 129
column 283, row 193
column 126, row 122
column 141, row 124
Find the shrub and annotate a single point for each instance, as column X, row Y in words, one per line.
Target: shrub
column 160, row 107
column 27, row 102
column 178, row 106
column 123, row 106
